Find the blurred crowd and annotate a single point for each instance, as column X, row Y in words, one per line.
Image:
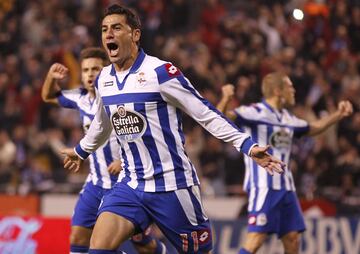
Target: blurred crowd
column 213, row 42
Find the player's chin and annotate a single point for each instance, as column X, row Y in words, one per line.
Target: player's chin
column 291, row 102
column 113, row 58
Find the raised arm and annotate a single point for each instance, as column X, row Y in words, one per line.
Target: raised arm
column 344, row 109
column 227, row 94
column 50, row 87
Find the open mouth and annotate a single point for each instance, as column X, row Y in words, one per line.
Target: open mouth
column 113, row 48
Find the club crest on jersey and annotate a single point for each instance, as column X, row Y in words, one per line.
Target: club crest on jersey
column 129, row 125
column 121, row 111
column 141, row 78
column 280, row 139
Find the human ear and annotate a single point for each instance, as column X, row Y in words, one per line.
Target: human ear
column 136, row 34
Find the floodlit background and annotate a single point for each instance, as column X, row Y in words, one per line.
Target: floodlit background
column 213, row 42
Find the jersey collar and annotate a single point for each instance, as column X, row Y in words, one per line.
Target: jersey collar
column 138, row 61
column 277, row 113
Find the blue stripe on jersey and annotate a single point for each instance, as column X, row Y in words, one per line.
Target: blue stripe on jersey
column 269, row 130
column 126, row 166
column 283, row 175
column 300, row 131
column 131, row 98
column 138, row 165
column 171, row 143
column 153, row 151
column 107, row 110
column 180, row 129
column 65, row 102
column 108, row 159
column 255, row 167
column 97, row 169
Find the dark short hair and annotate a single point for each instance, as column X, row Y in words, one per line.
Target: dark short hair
column 132, row 19
column 93, row 52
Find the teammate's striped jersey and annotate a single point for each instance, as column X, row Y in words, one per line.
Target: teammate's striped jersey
column 99, row 160
column 276, row 128
column 143, row 105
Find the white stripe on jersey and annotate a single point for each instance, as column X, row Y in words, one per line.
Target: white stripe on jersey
column 251, row 199
column 262, row 141
column 276, row 179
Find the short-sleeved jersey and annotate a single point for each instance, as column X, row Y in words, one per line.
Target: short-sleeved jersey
column 268, row 126
column 80, row 100
column 143, row 105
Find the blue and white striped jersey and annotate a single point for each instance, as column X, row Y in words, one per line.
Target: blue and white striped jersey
column 268, row 126
column 100, row 159
column 143, row 105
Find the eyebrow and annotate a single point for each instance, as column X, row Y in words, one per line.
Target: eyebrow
column 112, row 25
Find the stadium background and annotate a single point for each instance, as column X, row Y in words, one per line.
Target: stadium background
column 213, row 42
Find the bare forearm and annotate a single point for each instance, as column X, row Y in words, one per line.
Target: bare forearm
column 223, row 104
column 49, row 90
column 318, row 126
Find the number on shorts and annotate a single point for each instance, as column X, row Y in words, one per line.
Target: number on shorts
column 196, row 241
column 185, row 241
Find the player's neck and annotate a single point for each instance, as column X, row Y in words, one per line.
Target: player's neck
column 275, row 103
column 125, row 64
column 92, row 94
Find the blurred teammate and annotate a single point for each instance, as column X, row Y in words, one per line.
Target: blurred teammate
column 273, row 205
column 141, row 100
column 105, row 163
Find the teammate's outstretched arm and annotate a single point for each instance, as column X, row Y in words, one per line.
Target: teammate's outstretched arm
column 344, row 109
column 50, row 87
column 72, row 161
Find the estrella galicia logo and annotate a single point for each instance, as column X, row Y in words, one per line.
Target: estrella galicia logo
column 128, row 125
column 280, row 139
